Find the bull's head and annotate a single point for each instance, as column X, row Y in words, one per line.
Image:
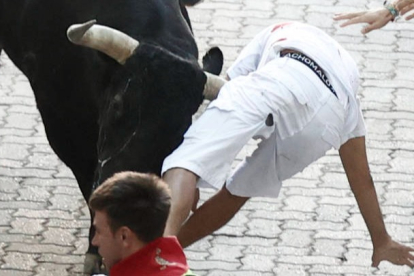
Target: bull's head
column 120, row 47
column 149, row 103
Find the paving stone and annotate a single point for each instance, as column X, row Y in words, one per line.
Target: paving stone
column 21, row 205
column 237, row 273
column 63, row 172
column 290, row 269
column 212, row 265
column 39, row 160
column 61, row 259
column 13, row 151
column 314, row 225
column 196, row 255
column 358, row 256
column 67, row 185
column 29, row 239
column 343, row 235
column 263, row 228
column 21, row 121
column 258, row 262
column 77, row 269
column 58, row 236
column 232, row 231
column 309, row 260
column 27, row 226
column 39, row 248
column 24, row 140
column 33, row 194
column 65, row 202
column 9, row 272
column 23, row 172
column 81, row 245
column 227, row 253
column 296, row 238
column 41, row 148
column 314, row 228
column 267, row 250
column 326, row 247
column 300, row 203
column 19, row 261
column 43, row 214
column 24, row 109
column 61, row 223
column 340, row 270
column 53, row 269
column 4, row 131
column 8, row 196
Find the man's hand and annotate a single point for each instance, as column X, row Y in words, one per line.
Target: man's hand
column 376, row 19
column 355, row 162
column 393, row 252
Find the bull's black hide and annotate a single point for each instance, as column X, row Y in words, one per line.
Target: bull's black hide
column 147, row 115
column 190, row 2
column 101, row 117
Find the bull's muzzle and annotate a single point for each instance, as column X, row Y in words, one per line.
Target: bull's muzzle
column 213, row 86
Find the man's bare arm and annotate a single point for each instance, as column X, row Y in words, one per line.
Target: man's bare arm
column 378, row 17
column 355, row 162
column 375, row 18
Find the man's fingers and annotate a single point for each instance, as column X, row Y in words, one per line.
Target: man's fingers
column 355, row 19
column 343, row 16
column 374, row 26
column 408, row 262
column 410, row 255
column 368, row 28
column 375, row 263
column 409, row 17
column 406, row 8
column 352, row 21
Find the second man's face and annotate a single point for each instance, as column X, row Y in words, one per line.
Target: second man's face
column 108, row 243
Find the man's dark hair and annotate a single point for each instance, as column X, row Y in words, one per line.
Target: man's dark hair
column 136, row 200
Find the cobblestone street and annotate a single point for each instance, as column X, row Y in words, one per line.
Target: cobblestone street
column 313, row 228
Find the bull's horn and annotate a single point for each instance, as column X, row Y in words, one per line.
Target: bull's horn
column 112, row 42
column 213, row 86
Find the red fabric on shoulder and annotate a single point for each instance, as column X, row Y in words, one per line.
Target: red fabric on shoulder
column 280, row 25
column 161, row 257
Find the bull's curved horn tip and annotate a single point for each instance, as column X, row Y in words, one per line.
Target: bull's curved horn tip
column 75, row 32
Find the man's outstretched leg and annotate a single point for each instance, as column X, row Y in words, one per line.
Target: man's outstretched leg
column 182, row 184
column 211, row 216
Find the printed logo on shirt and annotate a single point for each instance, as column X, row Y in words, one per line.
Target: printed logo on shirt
column 161, row 261
column 312, row 65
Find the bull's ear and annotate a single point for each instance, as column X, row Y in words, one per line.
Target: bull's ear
column 213, row 85
column 213, row 61
column 112, row 42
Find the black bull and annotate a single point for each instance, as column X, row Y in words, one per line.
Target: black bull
column 100, row 116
